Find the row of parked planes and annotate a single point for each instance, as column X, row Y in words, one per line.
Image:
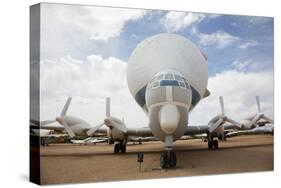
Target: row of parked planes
column 70, row 128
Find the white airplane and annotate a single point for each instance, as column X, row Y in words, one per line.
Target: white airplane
column 167, row 75
column 89, row 141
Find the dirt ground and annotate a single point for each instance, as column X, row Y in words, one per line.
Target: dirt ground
column 66, row 163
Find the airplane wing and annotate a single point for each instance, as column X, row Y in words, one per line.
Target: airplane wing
column 201, row 129
column 141, row 132
column 192, row 129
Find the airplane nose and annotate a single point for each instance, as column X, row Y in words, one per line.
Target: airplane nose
column 169, row 118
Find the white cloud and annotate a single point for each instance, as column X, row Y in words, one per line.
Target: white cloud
column 82, row 30
column 239, row 90
column 241, row 65
column 250, row 65
column 221, row 39
column 248, row 44
column 176, row 21
column 100, row 23
column 89, row 83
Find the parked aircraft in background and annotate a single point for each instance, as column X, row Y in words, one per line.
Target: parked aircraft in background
column 89, row 141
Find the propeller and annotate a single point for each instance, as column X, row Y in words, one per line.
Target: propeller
column 258, row 116
column 258, row 104
column 109, row 121
column 219, row 120
column 92, row 131
column 222, row 105
column 62, row 119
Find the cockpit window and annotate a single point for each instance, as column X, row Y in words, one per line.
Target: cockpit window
column 179, row 78
column 155, row 84
column 182, row 84
column 160, row 77
column 169, row 77
column 169, row 83
column 186, row 83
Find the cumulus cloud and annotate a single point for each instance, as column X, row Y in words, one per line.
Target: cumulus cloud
column 91, row 81
column 88, row 83
column 250, row 65
column 239, row 90
column 83, row 30
column 100, row 23
column 248, row 44
column 176, row 21
column 220, row 39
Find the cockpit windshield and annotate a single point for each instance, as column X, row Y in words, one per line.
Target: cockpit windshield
column 169, row 79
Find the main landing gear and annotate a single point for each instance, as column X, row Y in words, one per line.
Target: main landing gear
column 168, row 158
column 120, row 147
column 213, row 143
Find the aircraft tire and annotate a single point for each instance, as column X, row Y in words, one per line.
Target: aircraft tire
column 216, row 144
column 123, row 148
column 210, row 145
column 164, row 163
column 116, row 148
column 173, row 160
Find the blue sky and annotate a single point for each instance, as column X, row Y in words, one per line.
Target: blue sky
column 258, row 31
column 85, row 49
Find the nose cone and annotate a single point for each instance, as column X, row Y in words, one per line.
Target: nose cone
column 169, row 117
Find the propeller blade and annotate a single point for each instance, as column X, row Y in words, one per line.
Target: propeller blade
column 66, row 106
column 222, row 105
column 268, row 119
column 118, row 126
column 215, row 125
column 68, row 129
column 232, row 122
column 254, row 120
column 46, row 122
column 92, row 131
column 258, row 103
column 107, row 107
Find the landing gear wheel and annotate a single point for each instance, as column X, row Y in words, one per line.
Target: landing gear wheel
column 123, row 148
column 210, row 145
column 116, row 148
column 173, row 160
column 110, row 141
column 164, row 160
column 168, row 160
column 216, row 144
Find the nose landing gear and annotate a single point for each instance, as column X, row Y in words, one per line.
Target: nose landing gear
column 168, row 158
